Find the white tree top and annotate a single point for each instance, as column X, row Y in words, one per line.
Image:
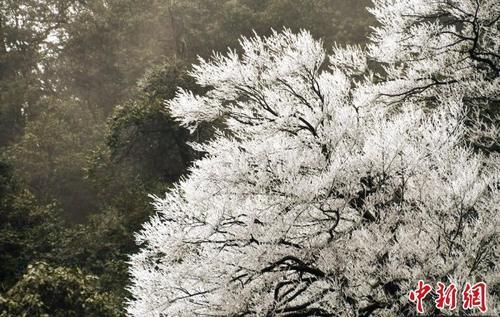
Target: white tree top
column 333, row 189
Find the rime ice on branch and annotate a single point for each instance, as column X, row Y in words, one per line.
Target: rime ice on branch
column 331, row 191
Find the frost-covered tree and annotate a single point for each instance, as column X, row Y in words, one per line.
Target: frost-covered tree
column 330, row 191
column 442, row 48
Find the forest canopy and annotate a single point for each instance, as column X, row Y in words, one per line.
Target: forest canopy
column 246, row 157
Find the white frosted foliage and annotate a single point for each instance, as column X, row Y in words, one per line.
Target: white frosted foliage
column 328, row 185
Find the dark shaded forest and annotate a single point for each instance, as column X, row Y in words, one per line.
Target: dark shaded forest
column 85, row 136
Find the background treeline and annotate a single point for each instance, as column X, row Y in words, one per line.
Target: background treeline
column 84, row 136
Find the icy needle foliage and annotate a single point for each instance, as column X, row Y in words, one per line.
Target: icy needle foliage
column 331, row 192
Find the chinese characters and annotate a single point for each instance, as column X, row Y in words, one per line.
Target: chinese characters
column 473, row 296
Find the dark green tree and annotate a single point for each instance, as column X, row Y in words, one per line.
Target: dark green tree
column 28, row 230
column 45, row 290
column 143, row 135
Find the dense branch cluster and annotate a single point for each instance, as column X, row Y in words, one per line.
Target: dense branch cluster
column 331, row 191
